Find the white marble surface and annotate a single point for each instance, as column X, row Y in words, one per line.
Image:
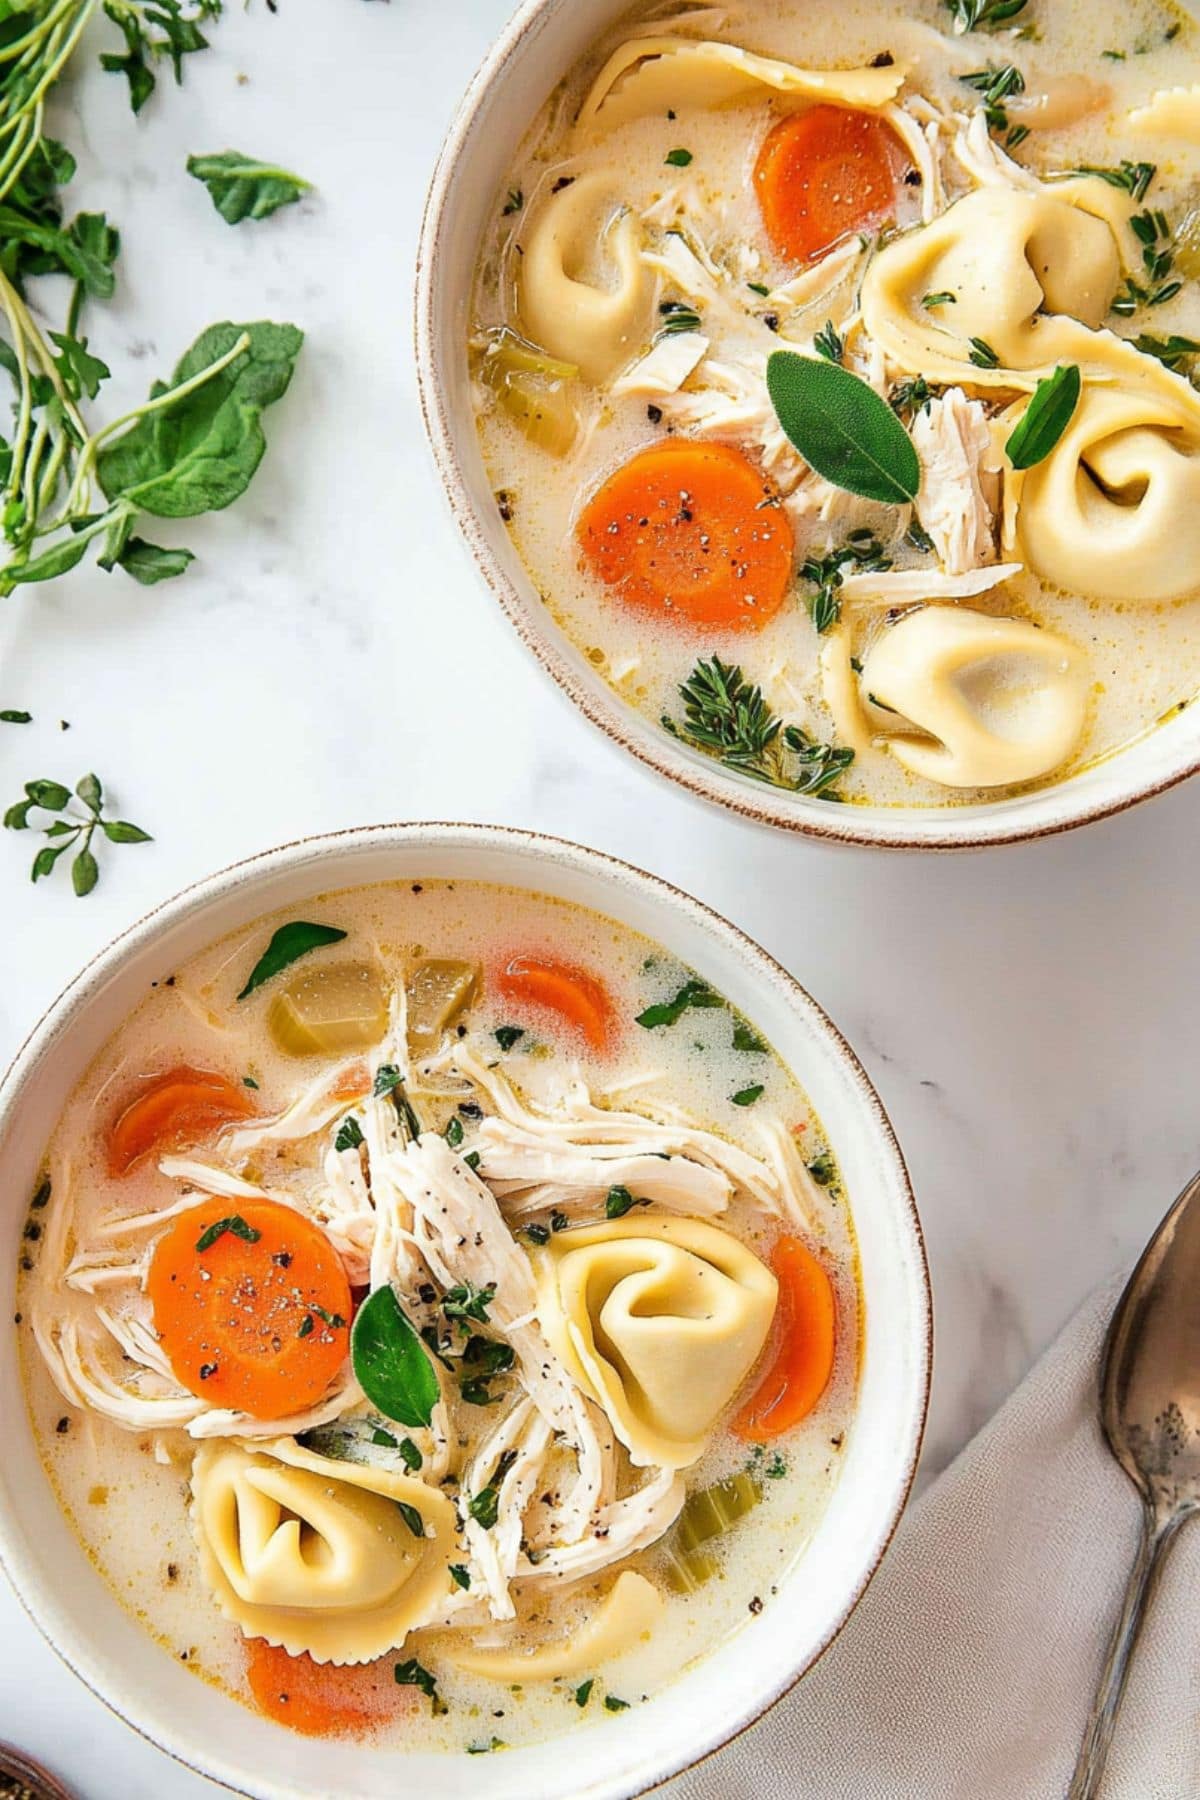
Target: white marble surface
column 1029, row 1015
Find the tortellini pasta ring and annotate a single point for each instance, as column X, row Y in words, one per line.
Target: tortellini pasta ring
column 316, row 1555
column 916, row 670
column 598, row 328
column 1114, row 511
column 659, row 1321
column 625, row 1617
column 661, row 74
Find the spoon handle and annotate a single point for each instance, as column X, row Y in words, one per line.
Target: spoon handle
column 1158, row 1534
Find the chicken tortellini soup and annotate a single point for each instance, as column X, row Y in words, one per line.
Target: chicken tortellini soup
column 834, row 373
column 439, row 1316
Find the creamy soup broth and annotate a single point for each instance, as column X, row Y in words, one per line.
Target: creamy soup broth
column 129, row 1486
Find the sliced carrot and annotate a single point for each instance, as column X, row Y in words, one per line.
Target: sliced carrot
column 806, row 1334
column 174, row 1111
column 690, row 533
column 323, row 1699
column 822, row 175
column 574, row 996
column 256, row 1315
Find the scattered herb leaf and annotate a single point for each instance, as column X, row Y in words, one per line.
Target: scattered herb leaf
column 235, row 1225
column 1045, row 419
column 241, row 187
column 391, row 1364
column 841, row 426
column 292, row 941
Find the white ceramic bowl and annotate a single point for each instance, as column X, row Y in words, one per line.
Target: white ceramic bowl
column 713, row 1701
column 526, row 63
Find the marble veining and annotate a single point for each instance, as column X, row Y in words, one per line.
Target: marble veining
column 1028, row 1014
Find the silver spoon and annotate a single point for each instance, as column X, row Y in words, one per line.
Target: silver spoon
column 1150, row 1411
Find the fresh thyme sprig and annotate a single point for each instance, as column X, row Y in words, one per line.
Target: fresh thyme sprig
column 1153, row 232
column 983, row 15
column 677, row 316
column 1173, row 352
column 862, row 550
column 829, row 343
column 69, row 830
column 726, row 716
column 995, row 86
column 909, row 398
column 1131, row 178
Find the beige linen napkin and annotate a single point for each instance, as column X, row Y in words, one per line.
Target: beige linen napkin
column 967, row 1671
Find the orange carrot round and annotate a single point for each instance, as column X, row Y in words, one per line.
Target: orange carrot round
column 251, row 1304
column 576, row 998
column 323, row 1699
column 806, row 1335
column 687, row 532
column 822, row 175
column 174, row 1111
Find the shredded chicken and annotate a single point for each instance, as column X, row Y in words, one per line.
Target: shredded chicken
column 621, row 1528
column 911, row 587
column 953, row 441
column 529, row 1175
column 665, row 367
column 525, row 1437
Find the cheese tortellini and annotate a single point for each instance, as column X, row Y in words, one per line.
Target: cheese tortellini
column 597, row 325
column 661, row 74
column 625, row 1617
column 659, row 1321
column 1114, row 510
column 317, row 1555
column 1025, row 271
column 997, row 700
column 1172, row 112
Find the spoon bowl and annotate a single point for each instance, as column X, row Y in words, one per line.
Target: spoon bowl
column 1150, row 1411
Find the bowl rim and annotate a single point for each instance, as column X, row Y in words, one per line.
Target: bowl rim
column 982, row 825
column 89, row 982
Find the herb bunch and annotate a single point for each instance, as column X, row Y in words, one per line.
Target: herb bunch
column 727, row 717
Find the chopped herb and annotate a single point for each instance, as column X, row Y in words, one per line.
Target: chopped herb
column 242, row 187
column 334, row 1321
column 748, row 1095
column 472, row 1159
column 235, row 1225
column 678, row 159
column 995, row 86
column 12, row 716
column 559, row 1221
column 412, row 1674
column 69, row 831
column 388, row 1080
column 983, row 15
column 1153, row 233
column 909, row 398
column 249, row 1081
column 1113, row 55
column 862, row 551
column 745, row 1038
column 823, row 1169
column 412, row 1518
column 454, row 1133
column 982, row 354
column 612, row 1704
column 1041, row 425
column 677, row 317
column 514, row 202
column 349, row 1135
column 1132, row 178
column 483, row 1749
column 484, row 1506
column 828, row 344
column 1172, row 351
column 619, row 1201
column 508, row 1035
column 583, row 1692
column 693, row 993
column 306, row 1326
column 468, row 1302
column 460, row 1575
column 287, row 945
column 412, row 1457
column 758, row 287
column 942, row 298
column 537, row 1234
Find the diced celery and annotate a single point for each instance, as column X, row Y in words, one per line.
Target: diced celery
column 533, row 389
column 711, row 1512
column 330, row 1009
column 439, row 990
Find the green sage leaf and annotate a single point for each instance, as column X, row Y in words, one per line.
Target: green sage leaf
column 391, row 1364
column 288, row 944
column 843, row 428
column 1045, row 418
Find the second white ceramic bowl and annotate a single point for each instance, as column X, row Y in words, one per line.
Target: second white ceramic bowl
column 201, row 1726
column 540, row 45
